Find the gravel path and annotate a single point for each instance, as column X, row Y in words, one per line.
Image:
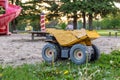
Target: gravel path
column 18, row 49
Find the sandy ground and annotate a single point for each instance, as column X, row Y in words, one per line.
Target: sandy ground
column 18, row 49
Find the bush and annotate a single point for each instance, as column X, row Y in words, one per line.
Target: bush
column 61, row 26
column 105, row 23
column 111, row 22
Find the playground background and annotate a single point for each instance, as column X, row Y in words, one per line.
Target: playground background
column 32, row 9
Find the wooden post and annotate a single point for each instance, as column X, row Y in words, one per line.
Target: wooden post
column 109, row 33
column 115, row 34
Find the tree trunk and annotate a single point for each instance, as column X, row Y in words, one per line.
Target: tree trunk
column 75, row 20
column 84, row 20
column 17, row 2
column 90, row 21
column 14, row 22
column 13, row 25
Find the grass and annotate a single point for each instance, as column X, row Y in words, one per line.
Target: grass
column 106, row 68
column 106, row 32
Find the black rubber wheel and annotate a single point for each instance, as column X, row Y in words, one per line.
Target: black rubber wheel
column 78, row 54
column 50, row 52
column 96, row 54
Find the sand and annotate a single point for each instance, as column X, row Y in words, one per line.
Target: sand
column 18, row 49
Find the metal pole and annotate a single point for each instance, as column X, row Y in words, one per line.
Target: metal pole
column 42, row 22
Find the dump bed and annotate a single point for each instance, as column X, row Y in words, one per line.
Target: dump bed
column 68, row 38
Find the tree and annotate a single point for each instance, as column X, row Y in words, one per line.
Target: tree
column 15, row 21
column 87, row 7
column 102, row 7
column 69, row 7
column 54, row 10
column 83, row 10
column 110, row 22
column 30, row 13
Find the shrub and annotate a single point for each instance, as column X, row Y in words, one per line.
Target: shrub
column 61, row 26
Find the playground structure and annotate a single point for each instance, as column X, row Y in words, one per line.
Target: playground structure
column 11, row 12
column 75, row 44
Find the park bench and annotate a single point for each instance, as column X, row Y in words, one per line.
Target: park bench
column 39, row 33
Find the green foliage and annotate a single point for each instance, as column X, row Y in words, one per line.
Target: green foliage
column 105, row 23
column 30, row 14
column 61, row 26
column 111, row 22
column 31, row 11
column 96, row 24
column 65, row 1
column 54, row 7
column 94, row 7
column 106, row 68
column 115, row 23
column 54, row 11
column 2, row 10
column 70, row 7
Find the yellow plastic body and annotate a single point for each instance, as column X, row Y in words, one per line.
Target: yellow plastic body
column 69, row 38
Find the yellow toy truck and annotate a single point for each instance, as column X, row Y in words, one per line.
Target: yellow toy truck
column 73, row 44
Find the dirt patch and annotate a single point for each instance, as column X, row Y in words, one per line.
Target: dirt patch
column 107, row 44
column 18, row 49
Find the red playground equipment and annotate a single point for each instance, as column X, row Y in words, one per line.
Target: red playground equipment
column 11, row 12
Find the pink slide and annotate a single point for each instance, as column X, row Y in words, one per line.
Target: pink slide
column 11, row 12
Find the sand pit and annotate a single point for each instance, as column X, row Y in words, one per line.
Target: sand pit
column 18, row 49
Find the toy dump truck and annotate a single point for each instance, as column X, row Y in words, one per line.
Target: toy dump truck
column 75, row 44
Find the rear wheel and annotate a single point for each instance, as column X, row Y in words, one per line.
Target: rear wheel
column 96, row 53
column 50, row 52
column 78, row 54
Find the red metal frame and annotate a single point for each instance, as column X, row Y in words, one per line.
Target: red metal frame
column 11, row 12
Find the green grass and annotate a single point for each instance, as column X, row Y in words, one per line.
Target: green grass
column 106, row 68
column 106, row 32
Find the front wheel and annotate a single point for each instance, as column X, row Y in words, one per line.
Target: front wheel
column 50, row 52
column 78, row 54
